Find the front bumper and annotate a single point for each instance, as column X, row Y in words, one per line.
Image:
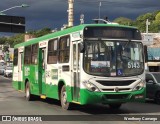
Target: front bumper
column 88, row 97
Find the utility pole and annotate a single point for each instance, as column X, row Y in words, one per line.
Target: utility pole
column 99, row 9
column 70, row 13
column 147, row 24
column 82, row 19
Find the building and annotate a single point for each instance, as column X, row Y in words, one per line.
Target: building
column 1, row 55
column 153, row 53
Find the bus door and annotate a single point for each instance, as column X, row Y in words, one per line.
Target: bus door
column 76, row 71
column 42, row 68
column 20, row 67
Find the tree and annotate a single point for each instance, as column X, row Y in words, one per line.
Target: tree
column 141, row 21
column 41, row 32
column 15, row 39
column 123, row 21
column 154, row 27
column 155, row 13
column 3, row 40
column 157, row 18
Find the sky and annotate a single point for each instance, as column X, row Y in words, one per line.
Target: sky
column 53, row 13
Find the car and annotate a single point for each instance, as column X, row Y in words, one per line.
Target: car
column 8, row 71
column 153, row 86
column 2, row 66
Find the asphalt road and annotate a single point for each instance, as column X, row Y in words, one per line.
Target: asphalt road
column 13, row 102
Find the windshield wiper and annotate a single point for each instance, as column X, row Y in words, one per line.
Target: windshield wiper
column 127, row 43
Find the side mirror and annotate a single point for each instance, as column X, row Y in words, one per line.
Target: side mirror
column 145, row 53
column 150, row 81
column 82, row 47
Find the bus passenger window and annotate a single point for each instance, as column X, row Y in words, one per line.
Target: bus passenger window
column 64, row 49
column 34, row 54
column 27, row 55
column 15, row 60
column 52, row 51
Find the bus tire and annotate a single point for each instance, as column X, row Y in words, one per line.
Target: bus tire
column 157, row 97
column 29, row 96
column 115, row 106
column 63, row 98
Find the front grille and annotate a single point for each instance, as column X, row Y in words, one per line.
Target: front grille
column 108, row 89
column 120, row 89
column 116, row 83
column 116, row 96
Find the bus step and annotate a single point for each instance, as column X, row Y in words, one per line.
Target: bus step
column 76, row 102
column 20, row 90
column 42, row 96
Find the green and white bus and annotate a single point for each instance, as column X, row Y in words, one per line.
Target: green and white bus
column 85, row 64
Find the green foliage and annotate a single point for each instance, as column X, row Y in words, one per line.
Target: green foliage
column 140, row 22
column 154, row 27
column 3, row 40
column 13, row 40
column 155, row 13
column 123, row 21
column 16, row 39
column 157, row 18
column 143, row 18
column 40, row 33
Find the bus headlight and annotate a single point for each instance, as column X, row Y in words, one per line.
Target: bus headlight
column 90, row 86
column 139, row 86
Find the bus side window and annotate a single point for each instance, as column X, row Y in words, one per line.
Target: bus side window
column 64, row 49
column 27, row 55
column 52, row 51
column 15, row 60
column 34, row 54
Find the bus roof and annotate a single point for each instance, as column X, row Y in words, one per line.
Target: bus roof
column 65, row 32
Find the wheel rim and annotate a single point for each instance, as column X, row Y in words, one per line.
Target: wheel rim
column 27, row 92
column 64, row 97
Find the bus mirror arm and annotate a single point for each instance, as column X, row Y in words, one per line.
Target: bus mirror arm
column 82, row 47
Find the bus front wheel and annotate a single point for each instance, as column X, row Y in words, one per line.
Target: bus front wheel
column 29, row 96
column 63, row 98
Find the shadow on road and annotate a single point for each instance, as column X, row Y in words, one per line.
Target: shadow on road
column 128, row 108
column 149, row 101
column 4, row 80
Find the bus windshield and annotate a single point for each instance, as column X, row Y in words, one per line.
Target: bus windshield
column 113, row 58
